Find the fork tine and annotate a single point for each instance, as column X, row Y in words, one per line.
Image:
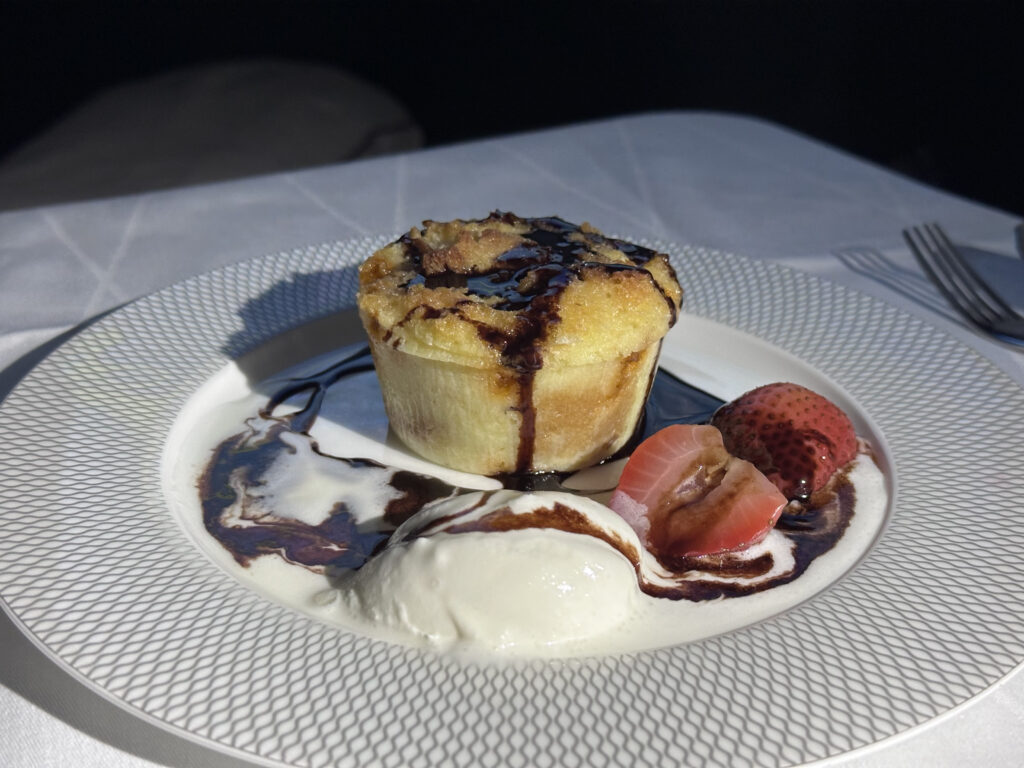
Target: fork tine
column 925, row 256
column 968, row 277
column 953, row 279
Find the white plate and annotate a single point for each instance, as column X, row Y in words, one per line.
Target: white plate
column 94, row 569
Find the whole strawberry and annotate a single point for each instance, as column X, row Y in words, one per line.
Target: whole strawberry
column 796, row 437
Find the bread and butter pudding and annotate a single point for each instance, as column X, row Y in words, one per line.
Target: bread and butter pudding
column 515, row 345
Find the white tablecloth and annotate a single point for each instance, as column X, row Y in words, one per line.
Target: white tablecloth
column 721, row 181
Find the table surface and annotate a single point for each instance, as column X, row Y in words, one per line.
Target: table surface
column 722, row 181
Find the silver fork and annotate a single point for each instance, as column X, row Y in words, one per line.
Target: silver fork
column 960, row 284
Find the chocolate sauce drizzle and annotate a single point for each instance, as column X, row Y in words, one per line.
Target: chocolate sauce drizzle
column 812, row 531
column 237, row 503
column 529, row 280
column 233, row 488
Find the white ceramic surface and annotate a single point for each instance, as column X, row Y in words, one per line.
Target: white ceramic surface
column 93, row 568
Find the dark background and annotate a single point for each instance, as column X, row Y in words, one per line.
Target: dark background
column 932, row 89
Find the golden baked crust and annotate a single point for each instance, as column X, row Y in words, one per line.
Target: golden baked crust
column 425, row 292
column 528, row 325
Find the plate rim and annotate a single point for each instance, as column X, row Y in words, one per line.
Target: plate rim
column 332, row 250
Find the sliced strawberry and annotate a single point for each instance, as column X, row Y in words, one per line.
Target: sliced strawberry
column 685, row 495
column 796, row 437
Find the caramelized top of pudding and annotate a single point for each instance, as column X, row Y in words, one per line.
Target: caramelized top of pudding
column 515, row 292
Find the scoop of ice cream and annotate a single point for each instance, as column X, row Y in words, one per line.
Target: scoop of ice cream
column 517, row 574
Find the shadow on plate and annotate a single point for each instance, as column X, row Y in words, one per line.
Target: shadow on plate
column 1005, row 274
column 276, row 311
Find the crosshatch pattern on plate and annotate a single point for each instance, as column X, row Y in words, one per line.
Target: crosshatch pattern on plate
column 94, row 569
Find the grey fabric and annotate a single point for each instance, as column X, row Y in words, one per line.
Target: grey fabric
column 204, row 124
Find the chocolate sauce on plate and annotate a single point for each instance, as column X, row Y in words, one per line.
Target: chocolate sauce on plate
column 238, row 511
